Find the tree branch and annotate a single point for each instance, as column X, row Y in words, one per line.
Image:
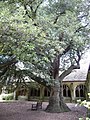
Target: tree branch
column 26, row 11
column 37, row 79
column 33, row 12
column 68, row 71
column 56, row 19
column 82, row 16
column 38, row 6
column 80, row 28
column 54, row 71
column 66, row 50
column 3, row 72
column 72, row 67
column 78, row 57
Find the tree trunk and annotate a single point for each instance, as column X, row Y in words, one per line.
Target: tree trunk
column 56, row 103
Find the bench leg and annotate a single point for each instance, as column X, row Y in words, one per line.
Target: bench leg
column 34, row 107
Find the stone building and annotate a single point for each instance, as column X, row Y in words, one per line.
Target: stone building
column 75, row 86
column 87, row 83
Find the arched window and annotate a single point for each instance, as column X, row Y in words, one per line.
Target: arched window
column 46, row 92
column 66, row 91
column 22, row 91
column 80, row 91
column 35, row 92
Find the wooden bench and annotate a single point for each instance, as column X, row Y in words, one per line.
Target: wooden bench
column 37, row 106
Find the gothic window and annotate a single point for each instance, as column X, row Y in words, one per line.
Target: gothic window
column 22, row 91
column 38, row 92
column 80, row 91
column 35, row 92
column 66, row 91
column 46, row 92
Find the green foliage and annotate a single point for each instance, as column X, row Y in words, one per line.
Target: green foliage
column 87, row 105
column 7, row 97
column 36, row 33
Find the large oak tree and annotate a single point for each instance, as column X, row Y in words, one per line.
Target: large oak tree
column 48, row 37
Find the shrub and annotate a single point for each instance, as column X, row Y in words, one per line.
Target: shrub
column 7, row 96
column 87, row 105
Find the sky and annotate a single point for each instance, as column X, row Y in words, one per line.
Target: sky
column 80, row 74
column 85, row 61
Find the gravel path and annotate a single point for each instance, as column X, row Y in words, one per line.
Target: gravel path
column 21, row 110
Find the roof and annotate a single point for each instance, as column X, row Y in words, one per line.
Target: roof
column 77, row 75
column 80, row 74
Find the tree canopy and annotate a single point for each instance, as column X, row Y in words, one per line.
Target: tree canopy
column 46, row 36
column 39, row 39
column 37, row 31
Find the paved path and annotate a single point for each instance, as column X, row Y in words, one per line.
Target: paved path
column 22, row 111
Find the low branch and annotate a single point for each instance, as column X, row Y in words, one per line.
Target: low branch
column 37, row 79
column 68, row 71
